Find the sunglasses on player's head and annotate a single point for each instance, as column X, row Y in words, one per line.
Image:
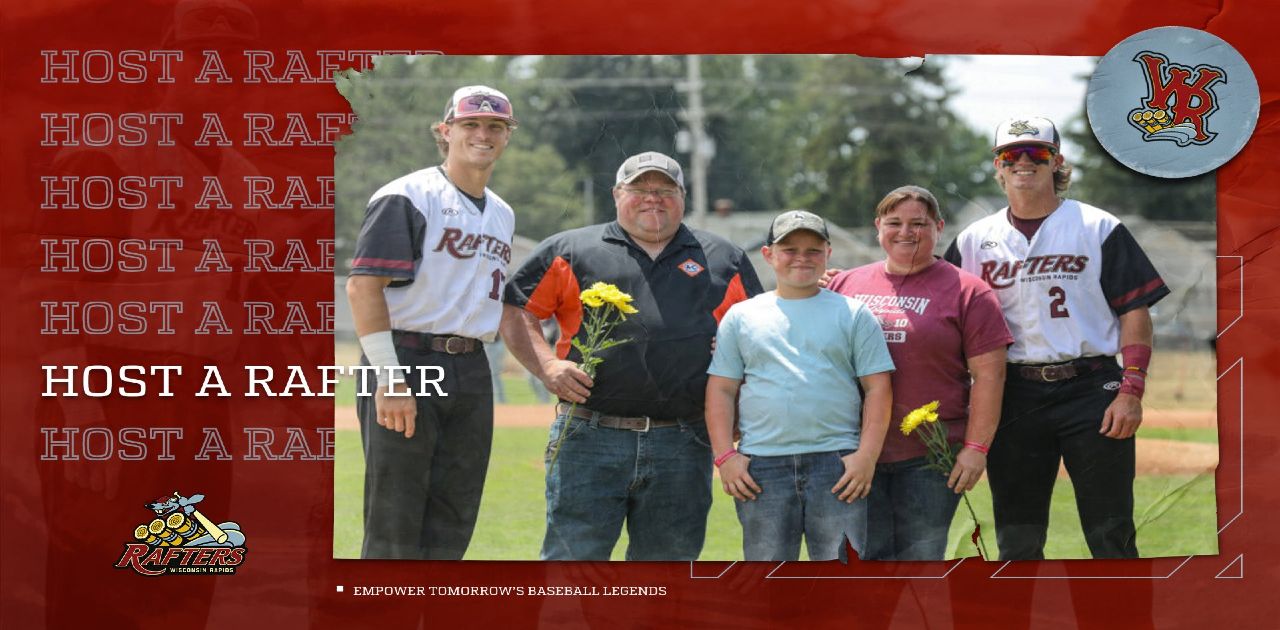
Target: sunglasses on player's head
column 482, row 104
column 1038, row 153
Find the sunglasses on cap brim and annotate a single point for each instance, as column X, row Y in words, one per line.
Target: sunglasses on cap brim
column 482, row 105
column 1038, row 153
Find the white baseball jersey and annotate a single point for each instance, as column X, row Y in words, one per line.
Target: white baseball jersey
column 1062, row 292
column 447, row 258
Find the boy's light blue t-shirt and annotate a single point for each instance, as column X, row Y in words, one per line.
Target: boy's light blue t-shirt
column 798, row 360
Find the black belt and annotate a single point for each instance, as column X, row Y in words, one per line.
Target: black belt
column 448, row 344
column 1052, row 372
column 630, row 423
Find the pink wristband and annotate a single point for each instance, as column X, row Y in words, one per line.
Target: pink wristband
column 1136, row 356
column 724, row 457
column 1133, row 382
column 977, row 447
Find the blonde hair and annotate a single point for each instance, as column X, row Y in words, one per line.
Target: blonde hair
column 442, row 145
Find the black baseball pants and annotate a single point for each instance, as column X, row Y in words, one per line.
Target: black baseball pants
column 422, row 494
column 1041, row 425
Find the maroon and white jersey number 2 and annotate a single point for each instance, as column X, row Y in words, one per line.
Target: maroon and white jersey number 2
column 1057, row 308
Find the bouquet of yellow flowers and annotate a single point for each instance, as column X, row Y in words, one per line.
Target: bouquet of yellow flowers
column 599, row 322
column 605, row 307
column 923, row 421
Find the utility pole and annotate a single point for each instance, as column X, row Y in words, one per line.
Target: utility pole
column 699, row 145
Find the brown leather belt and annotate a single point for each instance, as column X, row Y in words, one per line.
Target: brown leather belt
column 448, row 344
column 1053, row 372
column 629, row 423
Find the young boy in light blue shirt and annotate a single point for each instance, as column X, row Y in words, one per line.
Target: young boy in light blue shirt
column 809, row 441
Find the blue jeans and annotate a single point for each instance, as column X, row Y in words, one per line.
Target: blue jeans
column 909, row 512
column 658, row 482
column 795, row 501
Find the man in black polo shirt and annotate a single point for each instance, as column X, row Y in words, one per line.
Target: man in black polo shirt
column 636, row 448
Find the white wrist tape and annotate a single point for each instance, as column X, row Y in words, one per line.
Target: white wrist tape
column 381, row 352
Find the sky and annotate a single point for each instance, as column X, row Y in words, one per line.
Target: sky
column 995, row 87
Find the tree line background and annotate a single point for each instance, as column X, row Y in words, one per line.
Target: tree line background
column 829, row 133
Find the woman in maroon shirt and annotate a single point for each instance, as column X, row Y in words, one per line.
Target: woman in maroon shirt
column 947, row 336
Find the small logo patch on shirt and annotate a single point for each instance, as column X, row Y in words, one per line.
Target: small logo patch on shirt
column 450, row 211
column 1111, row 386
column 989, row 244
column 691, row 267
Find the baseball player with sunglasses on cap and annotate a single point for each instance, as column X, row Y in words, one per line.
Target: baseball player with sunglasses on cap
column 425, row 292
column 1075, row 288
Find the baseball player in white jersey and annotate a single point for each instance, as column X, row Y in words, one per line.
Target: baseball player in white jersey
column 425, row 291
column 1075, row 288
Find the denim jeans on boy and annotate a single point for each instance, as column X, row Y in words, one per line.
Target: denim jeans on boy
column 796, row 500
column 658, row 482
column 909, row 512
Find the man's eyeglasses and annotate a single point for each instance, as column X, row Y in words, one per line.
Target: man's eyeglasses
column 662, row 193
column 1038, row 154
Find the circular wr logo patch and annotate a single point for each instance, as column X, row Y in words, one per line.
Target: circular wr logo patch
column 1173, row 102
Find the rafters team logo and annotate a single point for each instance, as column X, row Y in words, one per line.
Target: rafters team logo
column 1179, row 101
column 180, row 539
column 1173, row 102
column 1022, row 128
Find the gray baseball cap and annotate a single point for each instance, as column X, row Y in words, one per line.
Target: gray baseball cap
column 642, row 163
column 793, row 220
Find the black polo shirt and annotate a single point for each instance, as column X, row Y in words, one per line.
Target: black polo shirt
column 681, row 296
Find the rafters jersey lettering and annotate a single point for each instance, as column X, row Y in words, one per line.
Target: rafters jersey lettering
column 464, row 245
column 1000, row 274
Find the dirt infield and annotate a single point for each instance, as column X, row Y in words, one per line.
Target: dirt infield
column 1155, row 457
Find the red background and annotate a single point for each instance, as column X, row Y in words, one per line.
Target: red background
column 60, row 540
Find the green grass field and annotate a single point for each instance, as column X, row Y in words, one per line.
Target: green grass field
column 1176, row 515
column 512, row 512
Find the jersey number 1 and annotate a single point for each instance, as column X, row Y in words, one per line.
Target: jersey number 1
column 496, row 292
column 1058, row 308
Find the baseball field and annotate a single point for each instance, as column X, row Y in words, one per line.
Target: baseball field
column 1174, row 493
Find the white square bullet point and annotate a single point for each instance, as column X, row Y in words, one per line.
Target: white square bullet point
column 339, row 588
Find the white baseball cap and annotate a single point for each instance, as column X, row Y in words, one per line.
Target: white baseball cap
column 476, row 101
column 1026, row 130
